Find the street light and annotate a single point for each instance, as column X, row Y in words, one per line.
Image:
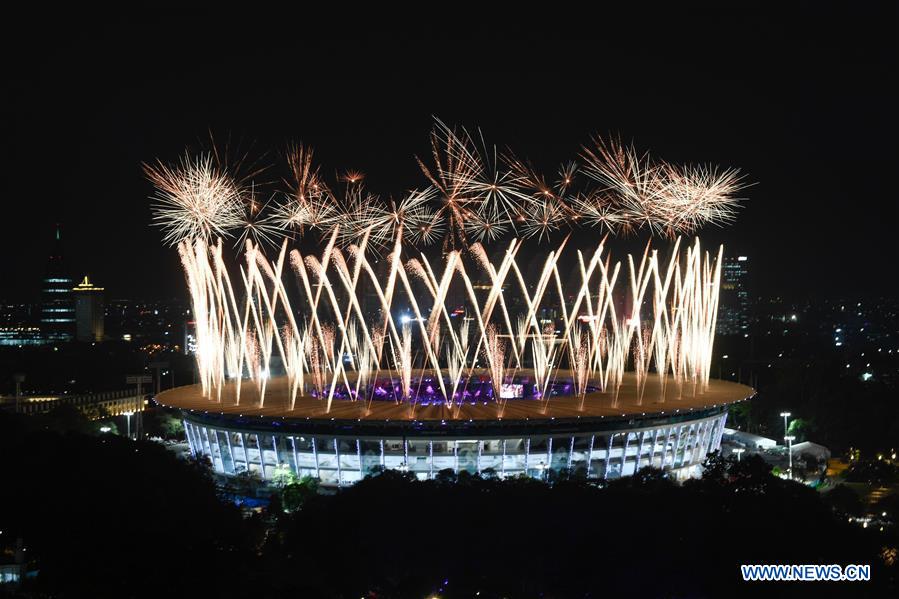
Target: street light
column 18, row 378
column 785, row 415
column 789, row 439
column 128, row 415
column 739, row 451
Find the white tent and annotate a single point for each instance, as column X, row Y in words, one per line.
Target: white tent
column 748, row 439
column 819, row 451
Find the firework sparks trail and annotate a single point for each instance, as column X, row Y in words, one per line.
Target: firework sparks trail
column 236, row 341
column 580, row 363
column 474, row 196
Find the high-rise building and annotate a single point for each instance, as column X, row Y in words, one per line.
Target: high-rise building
column 89, row 311
column 57, row 307
column 734, row 305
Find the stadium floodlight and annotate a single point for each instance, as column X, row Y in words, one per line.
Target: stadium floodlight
column 128, row 416
column 789, row 439
column 785, row 415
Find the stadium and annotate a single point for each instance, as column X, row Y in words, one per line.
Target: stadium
column 344, row 445
column 361, row 333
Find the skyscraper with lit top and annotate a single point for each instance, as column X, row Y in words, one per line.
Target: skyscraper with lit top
column 89, row 312
column 57, row 305
column 734, row 303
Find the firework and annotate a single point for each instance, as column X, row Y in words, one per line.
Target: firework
column 579, row 358
column 451, row 174
column 194, row 200
column 668, row 199
column 545, row 215
column 337, row 349
column 307, row 201
column 474, row 194
column 258, row 223
column 495, row 354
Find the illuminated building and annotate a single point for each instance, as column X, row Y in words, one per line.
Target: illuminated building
column 492, row 397
column 342, row 446
column 734, row 307
column 89, row 311
column 57, row 307
column 94, row 406
column 20, row 336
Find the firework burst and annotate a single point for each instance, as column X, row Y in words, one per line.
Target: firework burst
column 307, row 202
column 259, row 224
column 194, row 200
column 474, row 194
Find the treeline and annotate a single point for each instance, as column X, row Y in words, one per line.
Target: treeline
column 101, row 516
column 827, row 405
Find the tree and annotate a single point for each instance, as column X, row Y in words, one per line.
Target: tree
column 489, row 474
column 66, row 418
column 447, row 476
column 284, row 476
column 108, row 424
column 296, row 494
column 800, row 428
column 242, row 484
column 161, row 423
column 558, row 475
column 844, row 501
column 375, row 470
column 647, row 477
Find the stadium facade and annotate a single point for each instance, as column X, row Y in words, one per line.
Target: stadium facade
column 602, row 443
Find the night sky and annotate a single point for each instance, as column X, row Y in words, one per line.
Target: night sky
column 801, row 99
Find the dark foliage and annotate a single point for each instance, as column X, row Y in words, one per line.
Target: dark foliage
column 105, row 517
column 522, row 538
column 102, row 516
